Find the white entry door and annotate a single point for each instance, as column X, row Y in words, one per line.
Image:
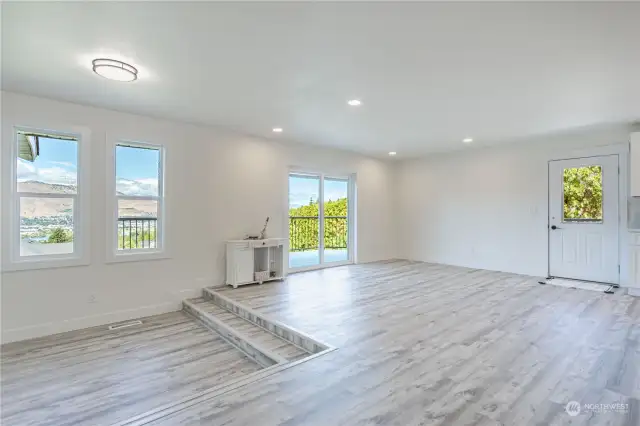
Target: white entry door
column 583, row 219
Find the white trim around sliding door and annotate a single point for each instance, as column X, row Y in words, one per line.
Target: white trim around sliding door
column 319, row 266
column 351, row 221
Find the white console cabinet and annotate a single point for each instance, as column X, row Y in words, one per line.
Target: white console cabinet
column 256, row 261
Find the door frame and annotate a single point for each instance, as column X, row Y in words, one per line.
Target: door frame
column 586, row 160
column 351, row 218
column 622, row 151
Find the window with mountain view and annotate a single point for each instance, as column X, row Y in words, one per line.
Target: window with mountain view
column 138, row 186
column 46, row 195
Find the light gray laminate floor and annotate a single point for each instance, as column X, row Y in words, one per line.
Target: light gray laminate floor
column 419, row 344
column 98, row 377
column 254, row 333
column 424, row 344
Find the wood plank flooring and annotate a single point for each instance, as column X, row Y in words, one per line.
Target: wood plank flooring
column 256, row 334
column 99, row 377
column 419, row 344
column 425, row 344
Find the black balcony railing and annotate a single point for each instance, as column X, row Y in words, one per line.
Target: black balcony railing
column 137, row 232
column 303, row 232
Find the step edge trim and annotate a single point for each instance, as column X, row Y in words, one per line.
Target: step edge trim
column 211, row 295
column 197, row 312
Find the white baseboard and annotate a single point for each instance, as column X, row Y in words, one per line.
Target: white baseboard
column 633, row 291
column 46, row 329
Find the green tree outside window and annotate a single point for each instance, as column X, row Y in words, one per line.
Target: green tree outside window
column 583, row 193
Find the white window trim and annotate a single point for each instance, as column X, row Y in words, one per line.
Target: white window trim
column 11, row 259
column 135, row 255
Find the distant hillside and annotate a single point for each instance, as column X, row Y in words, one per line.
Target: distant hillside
column 41, row 187
column 41, row 207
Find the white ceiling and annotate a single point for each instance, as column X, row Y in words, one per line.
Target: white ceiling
column 428, row 74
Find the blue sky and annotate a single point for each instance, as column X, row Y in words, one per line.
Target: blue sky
column 301, row 189
column 56, row 164
column 136, row 169
column 137, row 172
column 136, row 163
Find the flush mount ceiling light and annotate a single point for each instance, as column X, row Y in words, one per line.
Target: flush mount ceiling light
column 392, row 153
column 115, row 70
column 354, row 102
column 467, row 140
column 277, row 130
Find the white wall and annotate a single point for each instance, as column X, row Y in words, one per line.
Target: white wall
column 487, row 207
column 219, row 186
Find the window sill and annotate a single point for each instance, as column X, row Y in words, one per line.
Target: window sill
column 138, row 257
column 39, row 263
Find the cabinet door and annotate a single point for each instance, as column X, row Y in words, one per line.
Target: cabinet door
column 244, row 265
column 634, row 165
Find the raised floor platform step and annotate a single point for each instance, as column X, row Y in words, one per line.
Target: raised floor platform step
column 262, row 345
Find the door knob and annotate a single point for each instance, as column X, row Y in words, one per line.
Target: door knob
column 554, row 227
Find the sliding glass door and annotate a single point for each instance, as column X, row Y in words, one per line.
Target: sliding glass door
column 319, row 220
column 336, row 220
column 304, row 221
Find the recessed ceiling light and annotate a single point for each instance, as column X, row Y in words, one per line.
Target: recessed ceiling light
column 115, row 70
column 354, row 102
column 392, row 153
column 467, row 140
column 277, row 130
